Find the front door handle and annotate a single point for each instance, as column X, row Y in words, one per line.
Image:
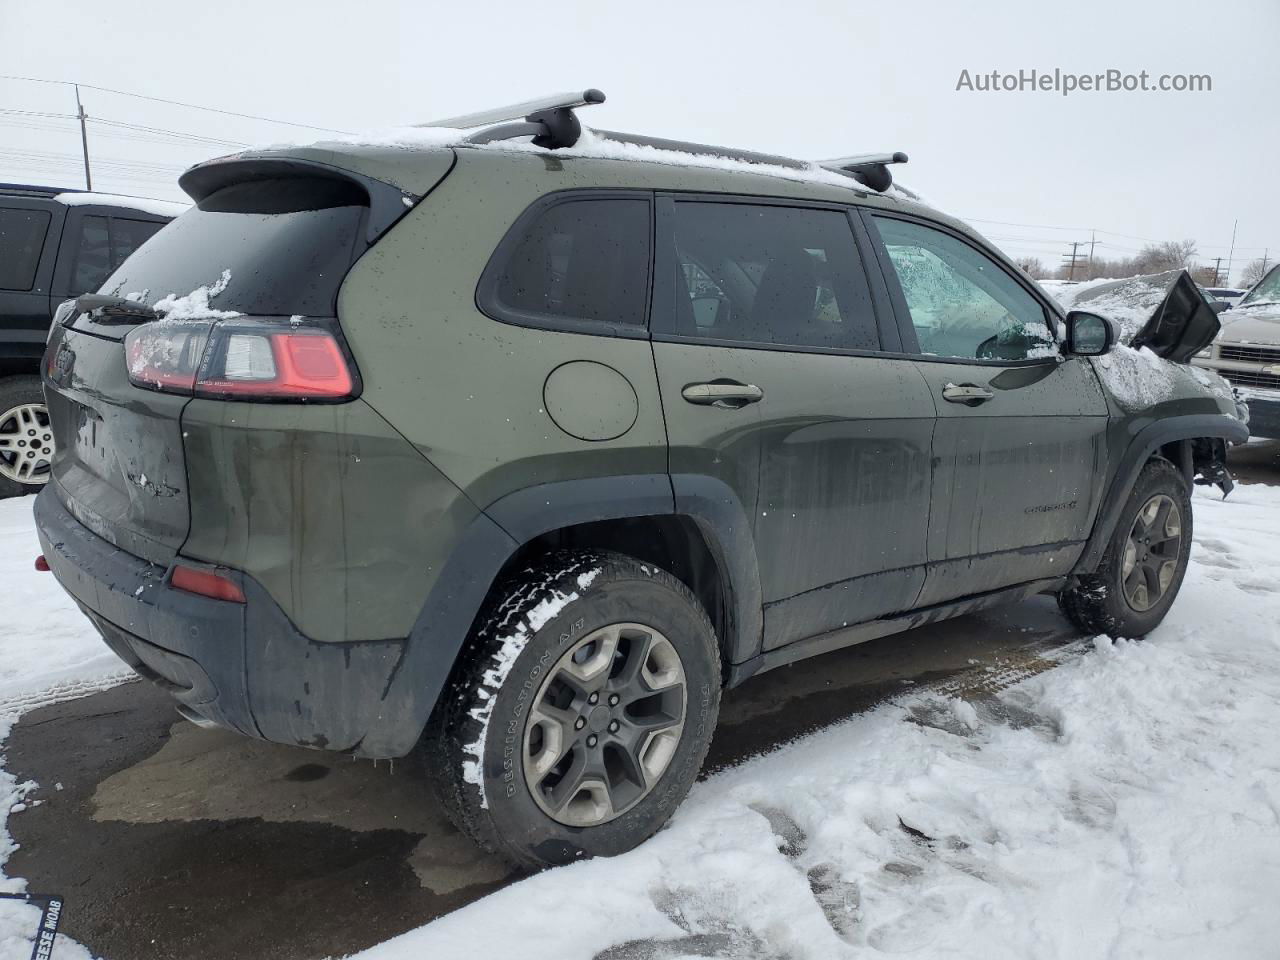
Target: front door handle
column 727, row 394
column 970, row 394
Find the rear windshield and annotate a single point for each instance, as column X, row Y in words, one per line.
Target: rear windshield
column 287, row 243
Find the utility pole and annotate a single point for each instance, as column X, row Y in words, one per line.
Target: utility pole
column 1093, row 239
column 84, row 139
column 1232, row 252
column 1217, row 272
column 1073, row 258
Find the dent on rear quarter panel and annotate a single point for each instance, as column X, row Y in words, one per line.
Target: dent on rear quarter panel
column 342, row 521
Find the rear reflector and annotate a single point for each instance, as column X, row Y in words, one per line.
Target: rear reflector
column 206, row 584
column 42, row 564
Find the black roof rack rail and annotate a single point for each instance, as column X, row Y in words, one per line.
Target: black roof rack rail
column 549, row 120
column 869, row 169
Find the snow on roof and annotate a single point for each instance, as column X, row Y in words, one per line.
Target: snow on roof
column 161, row 208
column 593, row 145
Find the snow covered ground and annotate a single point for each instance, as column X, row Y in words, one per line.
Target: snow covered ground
column 1123, row 804
column 48, row 652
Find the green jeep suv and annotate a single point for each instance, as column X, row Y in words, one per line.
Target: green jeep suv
column 514, row 454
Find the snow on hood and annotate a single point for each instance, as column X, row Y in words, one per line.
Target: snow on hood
column 1136, row 378
column 161, row 208
column 1251, row 324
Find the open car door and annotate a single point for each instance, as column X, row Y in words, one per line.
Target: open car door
column 1183, row 325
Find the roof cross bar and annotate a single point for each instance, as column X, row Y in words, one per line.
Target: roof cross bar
column 869, row 169
column 549, row 120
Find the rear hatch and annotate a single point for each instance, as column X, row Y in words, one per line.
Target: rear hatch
column 269, row 238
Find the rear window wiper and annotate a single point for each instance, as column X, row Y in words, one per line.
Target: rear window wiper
column 108, row 309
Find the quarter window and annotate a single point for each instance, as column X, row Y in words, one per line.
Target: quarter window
column 962, row 303
column 788, row 276
column 21, row 239
column 579, row 260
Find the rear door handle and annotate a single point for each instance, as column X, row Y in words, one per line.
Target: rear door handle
column 727, row 394
column 970, row 394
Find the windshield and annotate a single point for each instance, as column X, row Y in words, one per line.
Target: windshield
column 1267, row 290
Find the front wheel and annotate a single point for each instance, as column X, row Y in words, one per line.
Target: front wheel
column 26, row 439
column 580, row 713
column 1142, row 569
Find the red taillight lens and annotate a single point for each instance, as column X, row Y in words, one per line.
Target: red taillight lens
column 242, row 359
column 206, row 584
column 278, row 364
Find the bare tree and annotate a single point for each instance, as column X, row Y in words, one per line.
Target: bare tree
column 1170, row 255
column 1255, row 271
column 1205, row 276
column 1033, row 267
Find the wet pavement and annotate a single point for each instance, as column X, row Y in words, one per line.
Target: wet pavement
column 171, row 841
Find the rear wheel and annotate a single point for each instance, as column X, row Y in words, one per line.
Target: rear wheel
column 1142, row 569
column 26, row 439
column 581, row 713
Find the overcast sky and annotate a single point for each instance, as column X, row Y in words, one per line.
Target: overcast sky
column 807, row 79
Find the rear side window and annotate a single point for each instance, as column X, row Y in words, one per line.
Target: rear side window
column 787, row 276
column 575, row 262
column 21, row 240
column 288, row 243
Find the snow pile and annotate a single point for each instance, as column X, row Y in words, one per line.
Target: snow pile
column 1124, row 804
column 195, row 305
column 47, row 649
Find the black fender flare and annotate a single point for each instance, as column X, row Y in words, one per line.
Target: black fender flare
column 1146, row 441
column 494, row 536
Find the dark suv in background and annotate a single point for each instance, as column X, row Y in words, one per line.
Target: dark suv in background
column 513, row 456
column 54, row 243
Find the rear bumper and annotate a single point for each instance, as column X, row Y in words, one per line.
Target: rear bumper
column 241, row 666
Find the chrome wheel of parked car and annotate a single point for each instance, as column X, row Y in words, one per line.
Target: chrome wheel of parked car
column 1151, row 553
column 605, row 724
column 26, row 444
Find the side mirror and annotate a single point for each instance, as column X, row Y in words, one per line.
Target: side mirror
column 1089, row 335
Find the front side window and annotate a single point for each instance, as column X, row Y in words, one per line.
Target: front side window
column 788, row 276
column 962, row 303
column 578, row 260
column 21, row 240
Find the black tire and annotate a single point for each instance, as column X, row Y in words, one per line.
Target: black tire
column 1097, row 603
column 507, row 662
column 17, row 392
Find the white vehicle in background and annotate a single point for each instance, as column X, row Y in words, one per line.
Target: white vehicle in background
column 1247, row 353
column 1228, row 295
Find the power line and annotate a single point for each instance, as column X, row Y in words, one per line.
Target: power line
column 175, row 103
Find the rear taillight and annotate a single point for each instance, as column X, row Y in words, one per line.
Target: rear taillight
column 243, row 359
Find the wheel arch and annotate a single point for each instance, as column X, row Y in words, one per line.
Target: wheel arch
column 691, row 525
column 1194, row 443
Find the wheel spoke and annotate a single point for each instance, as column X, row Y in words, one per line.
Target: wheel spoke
column 590, row 663
column 634, row 649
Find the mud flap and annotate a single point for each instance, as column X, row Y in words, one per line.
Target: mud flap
column 1210, row 457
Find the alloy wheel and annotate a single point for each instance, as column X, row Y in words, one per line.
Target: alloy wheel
column 26, row 443
column 605, row 724
column 1151, row 552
